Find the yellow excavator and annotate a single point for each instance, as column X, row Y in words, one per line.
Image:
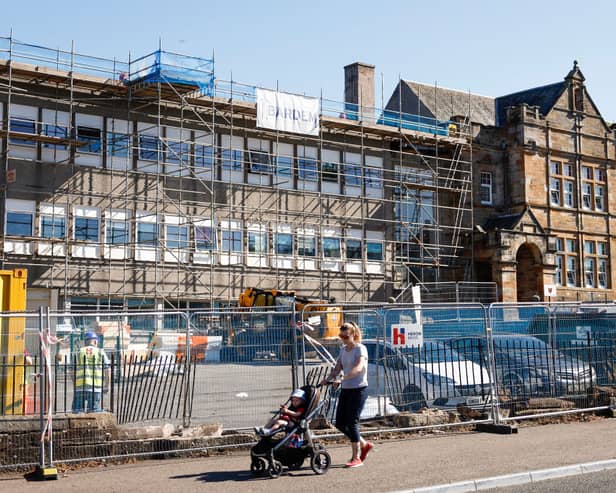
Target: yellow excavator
column 263, row 333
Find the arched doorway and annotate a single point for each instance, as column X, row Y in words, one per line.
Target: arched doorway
column 529, row 273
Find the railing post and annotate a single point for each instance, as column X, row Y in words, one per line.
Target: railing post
column 495, row 406
column 187, row 379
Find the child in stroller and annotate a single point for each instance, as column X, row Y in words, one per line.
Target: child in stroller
column 276, row 449
column 288, row 415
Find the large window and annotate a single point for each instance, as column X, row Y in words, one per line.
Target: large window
column 176, row 236
column 149, row 147
column 89, row 139
column 593, row 188
column 306, row 245
column 53, row 226
column 86, row 229
column 178, row 152
column 205, row 238
column 231, row 159
column 485, row 191
column 329, row 172
column 117, row 232
column 57, row 132
column 23, row 126
column 353, row 249
column 231, row 240
column 331, row 247
column 19, row 223
column 259, row 162
column 284, row 243
column 307, row 163
column 562, row 184
column 118, row 145
column 205, row 156
column 147, row 234
column 373, row 177
column 374, row 251
column 257, row 242
column 595, row 264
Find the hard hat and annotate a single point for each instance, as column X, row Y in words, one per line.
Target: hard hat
column 88, row 336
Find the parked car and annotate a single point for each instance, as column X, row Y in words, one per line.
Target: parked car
column 526, row 366
column 430, row 375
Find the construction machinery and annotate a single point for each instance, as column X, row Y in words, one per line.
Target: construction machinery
column 270, row 323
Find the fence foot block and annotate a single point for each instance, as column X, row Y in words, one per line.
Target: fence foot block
column 611, row 412
column 494, row 428
column 42, row 474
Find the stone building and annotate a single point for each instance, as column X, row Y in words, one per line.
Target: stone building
column 543, row 167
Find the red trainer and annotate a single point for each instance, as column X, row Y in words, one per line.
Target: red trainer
column 365, row 450
column 354, row 463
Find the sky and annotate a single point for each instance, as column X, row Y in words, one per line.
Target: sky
column 490, row 48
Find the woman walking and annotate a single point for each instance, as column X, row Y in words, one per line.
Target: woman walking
column 353, row 363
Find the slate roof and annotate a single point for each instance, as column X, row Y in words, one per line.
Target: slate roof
column 545, row 97
column 440, row 103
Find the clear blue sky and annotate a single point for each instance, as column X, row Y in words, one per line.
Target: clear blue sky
column 488, row 47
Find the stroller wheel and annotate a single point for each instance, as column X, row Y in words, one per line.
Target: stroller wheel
column 274, row 469
column 320, row 462
column 258, row 466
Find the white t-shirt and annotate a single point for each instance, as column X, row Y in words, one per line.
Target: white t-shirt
column 349, row 359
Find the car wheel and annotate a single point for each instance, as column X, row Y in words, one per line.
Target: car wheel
column 513, row 383
column 412, row 398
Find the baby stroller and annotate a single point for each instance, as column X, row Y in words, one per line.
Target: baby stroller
column 290, row 447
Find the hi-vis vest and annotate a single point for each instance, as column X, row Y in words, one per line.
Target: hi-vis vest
column 89, row 370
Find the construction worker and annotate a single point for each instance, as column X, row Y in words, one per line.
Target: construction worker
column 91, row 364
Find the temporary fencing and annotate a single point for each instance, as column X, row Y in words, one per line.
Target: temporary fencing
column 172, row 371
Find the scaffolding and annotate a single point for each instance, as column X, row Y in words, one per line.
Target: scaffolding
column 150, row 180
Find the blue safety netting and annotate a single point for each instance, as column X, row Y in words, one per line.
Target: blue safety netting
column 163, row 66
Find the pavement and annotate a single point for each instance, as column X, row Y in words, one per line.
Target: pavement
column 441, row 462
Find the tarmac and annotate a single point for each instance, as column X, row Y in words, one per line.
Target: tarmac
column 434, row 462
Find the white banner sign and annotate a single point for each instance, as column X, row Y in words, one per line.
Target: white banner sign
column 287, row 112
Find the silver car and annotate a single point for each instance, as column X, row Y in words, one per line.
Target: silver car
column 430, row 375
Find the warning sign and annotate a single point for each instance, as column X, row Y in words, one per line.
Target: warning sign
column 549, row 290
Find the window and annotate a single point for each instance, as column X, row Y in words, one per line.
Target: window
column 329, row 172
column 118, row 145
column 204, row 156
column 19, row 223
column 306, row 246
column 117, row 232
column 149, row 147
column 257, row 242
column 176, row 236
column 566, row 262
column 56, row 131
column 569, row 193
column 53, row 226
column 178, row 153
column 331, row 247
column 86, row 228
column 284, row 165
column 555, row 191
column 595, row 264
column 89, row 139
column 284, row 243
column 352, row 175
column 373, row 177
column 307, row 163
column 562, row 184
column 259, row 162
column 485, row 192
column 593, row 188
column 205, row 238
column 353, row 249
column 374, row 251
column 578, row 94
column 231, row 240
column 232, row 159
column 147, row 234
column 23, row 126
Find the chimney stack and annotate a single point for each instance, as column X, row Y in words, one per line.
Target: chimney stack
column 359, row 91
